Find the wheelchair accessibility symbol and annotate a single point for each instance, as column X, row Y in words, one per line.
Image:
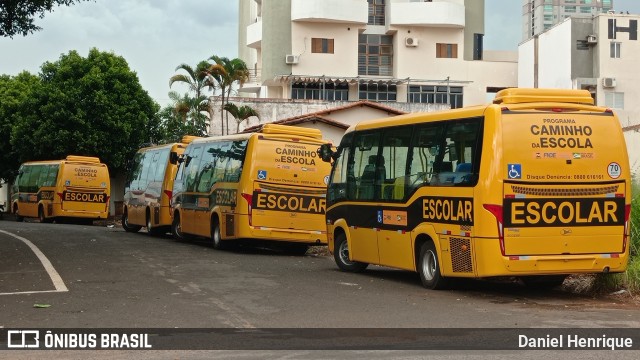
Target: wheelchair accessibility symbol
column 514, row 171
column 262, row 174
column 379, row 216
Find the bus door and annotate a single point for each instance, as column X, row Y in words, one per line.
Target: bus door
column 191, row 199
column 28, row 198
column 394, row 242
column 564, row 185
column 366, row 168
column 85, row 187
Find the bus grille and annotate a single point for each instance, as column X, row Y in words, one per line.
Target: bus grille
column 461, row 255
column 526, row 190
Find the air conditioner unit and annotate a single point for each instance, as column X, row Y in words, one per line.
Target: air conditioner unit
column 609, row 82
column 592, row 39
column 411, row 42
column 291, row 59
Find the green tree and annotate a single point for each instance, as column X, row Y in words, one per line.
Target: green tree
column 173, row 126
column 92, row 106
column 197, row 80
column 13, row 92
column 192, row 112
column 241, row 113
column 16, row 16
column 235, row 70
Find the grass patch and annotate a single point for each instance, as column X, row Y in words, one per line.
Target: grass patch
column 629, row 280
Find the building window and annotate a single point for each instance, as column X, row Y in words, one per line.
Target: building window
column 330, row 91
column 446, row 50
column 430, row 94
column 375, row 55
column 322, row 46
column 570, row 9
column 378, row 92
column 615, row 50
column 376, row 12
column 478, row 40
column 614, row 100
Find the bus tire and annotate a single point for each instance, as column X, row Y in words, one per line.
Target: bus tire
column 154, row 231
column 125, row 223
column 429, row 267
column 43, row 219
column 341, row 256
column 216, row 238
column 543, row 282
column 17, row 214
column 176, row 228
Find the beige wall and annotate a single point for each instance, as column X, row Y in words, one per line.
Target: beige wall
column 344, row 60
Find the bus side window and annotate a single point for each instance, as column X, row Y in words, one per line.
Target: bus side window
column 192, row 167
column 425, row 149
column 458, row 152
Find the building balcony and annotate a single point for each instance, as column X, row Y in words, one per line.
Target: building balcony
column 254, row 34
column 334, row 11
column 442, row 13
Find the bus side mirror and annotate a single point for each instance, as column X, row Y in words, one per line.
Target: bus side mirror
column 174, row 158
column 326, row 153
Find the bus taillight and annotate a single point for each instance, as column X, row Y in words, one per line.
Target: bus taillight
column 496, row 210
column 169, row 194
column 249, row 198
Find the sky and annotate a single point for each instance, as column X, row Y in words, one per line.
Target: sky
column 155, row 36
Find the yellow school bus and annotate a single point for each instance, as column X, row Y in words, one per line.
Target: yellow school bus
column 149, row 187
column 269, row 185
column 535, row 185
column 76, row 187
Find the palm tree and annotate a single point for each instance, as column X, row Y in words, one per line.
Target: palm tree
column 197, row 80
column 235, row 71
column 241, row 113
column 194, row 112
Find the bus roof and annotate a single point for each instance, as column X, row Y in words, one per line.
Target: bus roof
column 519, row 96
column 291, row 130
column 84, row 159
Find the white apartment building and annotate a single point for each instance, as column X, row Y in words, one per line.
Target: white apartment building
column 599, row 55
column 389, row 51
column 541, row 15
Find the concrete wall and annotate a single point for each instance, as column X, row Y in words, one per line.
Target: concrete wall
column 554, row 57
column 278, row 109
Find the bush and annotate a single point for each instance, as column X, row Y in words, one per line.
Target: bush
column 632, row 276
column 630, row 280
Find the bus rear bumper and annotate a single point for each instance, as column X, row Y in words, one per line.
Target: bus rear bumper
column 565, row 264
column 288, row 235
column 546, row 264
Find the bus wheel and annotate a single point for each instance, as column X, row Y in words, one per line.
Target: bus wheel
column 341, row 255
column 428, row 267
column 216, row 239
column 150, row 229
column 17, row 214
column 125, row 223
column 543, row 281
column 43, row 219
column 176, row 228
